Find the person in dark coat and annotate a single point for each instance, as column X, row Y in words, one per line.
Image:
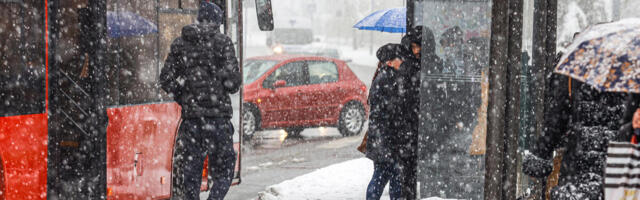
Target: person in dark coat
column 582, row 120
column 200, row 72
column 382, row 136
column 452, row 42
column 627, row 129
column 410, row 83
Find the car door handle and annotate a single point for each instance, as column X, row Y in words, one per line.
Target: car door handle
column 137, row 164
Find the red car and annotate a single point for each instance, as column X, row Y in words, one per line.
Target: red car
column 296, row 92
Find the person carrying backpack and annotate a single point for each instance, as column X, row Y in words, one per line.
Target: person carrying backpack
column 200, row 72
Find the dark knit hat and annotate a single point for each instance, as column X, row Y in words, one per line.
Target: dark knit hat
column 388, row 52
column 210, row 13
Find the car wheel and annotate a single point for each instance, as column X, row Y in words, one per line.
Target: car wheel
column 249, row 123
column 294, row 132
column 351, row 119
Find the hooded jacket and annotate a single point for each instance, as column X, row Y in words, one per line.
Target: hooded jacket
column 385, row 103
column 201, row 69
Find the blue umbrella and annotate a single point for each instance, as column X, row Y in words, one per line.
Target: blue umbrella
column 392, row 20
column 124, row 23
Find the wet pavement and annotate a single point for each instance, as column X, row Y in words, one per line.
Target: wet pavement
column 273, row 158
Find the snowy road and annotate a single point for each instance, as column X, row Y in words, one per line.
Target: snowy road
column 270, row 164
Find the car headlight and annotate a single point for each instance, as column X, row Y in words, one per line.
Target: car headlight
column 278, row 49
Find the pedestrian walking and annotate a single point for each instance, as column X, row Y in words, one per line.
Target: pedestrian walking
column 384, row 99
column 200, row 72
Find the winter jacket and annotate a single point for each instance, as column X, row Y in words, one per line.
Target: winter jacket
column 384, row 102
column 625, row 133
column 583, row 122
column 409, row 85
column 201, row 71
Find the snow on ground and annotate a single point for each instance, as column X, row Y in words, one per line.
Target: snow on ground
column 347, row 180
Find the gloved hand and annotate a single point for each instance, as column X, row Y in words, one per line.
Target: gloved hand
column 535, row 166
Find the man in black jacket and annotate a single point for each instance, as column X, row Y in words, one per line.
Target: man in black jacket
column 410, row 82
column 200, row 72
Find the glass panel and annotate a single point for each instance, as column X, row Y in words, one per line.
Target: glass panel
column 528, row 110
column 22, row 48
column 322, row 72
column 332, row 111
column 576, row 15
column 454, row 98
column 190, row 4
column 133, row 51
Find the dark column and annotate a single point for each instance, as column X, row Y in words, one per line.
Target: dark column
column 410, row 14
column 497, row 99
column 544, row 47
column 504, row 100
column 510, row 172
column 99, row 134
column 240, row 34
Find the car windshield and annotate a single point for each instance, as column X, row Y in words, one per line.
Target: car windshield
column 253, row 69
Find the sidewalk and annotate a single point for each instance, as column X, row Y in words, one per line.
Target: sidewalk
column 347, row 180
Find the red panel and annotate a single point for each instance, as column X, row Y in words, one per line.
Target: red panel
column 139, row 149
column 23, row 156
column 140, row 143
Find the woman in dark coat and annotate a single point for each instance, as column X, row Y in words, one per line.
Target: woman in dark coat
column 384, row 99
column 583, row 120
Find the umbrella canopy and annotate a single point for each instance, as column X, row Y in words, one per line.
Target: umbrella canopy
column 605, row 56
column 392, row 20
column 125, row 23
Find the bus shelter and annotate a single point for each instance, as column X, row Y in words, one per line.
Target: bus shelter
column 481, row 107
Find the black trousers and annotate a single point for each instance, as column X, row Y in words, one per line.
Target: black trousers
column 410, row 172
column 198, row 138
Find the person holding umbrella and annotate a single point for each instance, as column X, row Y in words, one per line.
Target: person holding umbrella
column 583, row 110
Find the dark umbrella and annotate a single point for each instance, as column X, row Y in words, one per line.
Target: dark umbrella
column 125, row 23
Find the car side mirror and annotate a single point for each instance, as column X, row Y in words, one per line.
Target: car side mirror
column 279, row 83
column 265, row 15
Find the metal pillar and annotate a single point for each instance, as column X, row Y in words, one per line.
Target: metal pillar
column 544, row 51
column 502, row 122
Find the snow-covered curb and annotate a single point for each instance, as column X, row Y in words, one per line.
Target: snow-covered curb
column 347, row 180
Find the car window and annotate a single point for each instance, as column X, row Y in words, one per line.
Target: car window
column 322, row 72
column 293, row 73
column 254, row 69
